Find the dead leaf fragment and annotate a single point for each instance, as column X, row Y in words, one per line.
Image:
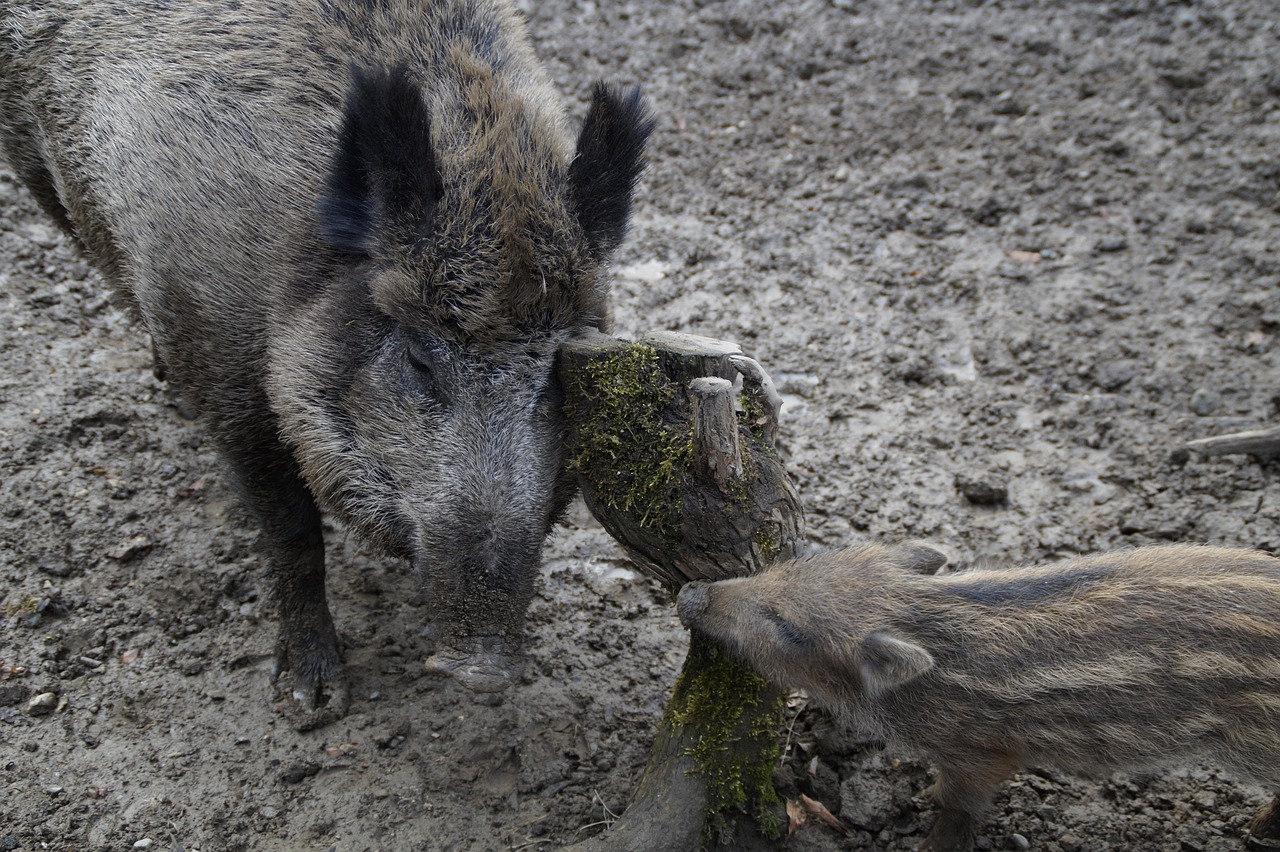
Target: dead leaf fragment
column 1024, row 256
column 10, row 671
column 819, row 810
column 796, row 817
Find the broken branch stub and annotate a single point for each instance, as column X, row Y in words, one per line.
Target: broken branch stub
column 717, row 456
column 675, row 463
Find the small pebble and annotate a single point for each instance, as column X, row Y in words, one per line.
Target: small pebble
column 982, row 490
column 11, row 694
column 299, row 772
column 42, row 704
column 131, row 549
column 144, row 843
column 268, row 812
column 1020, row 842
column 1204, row 402
column 53, row 565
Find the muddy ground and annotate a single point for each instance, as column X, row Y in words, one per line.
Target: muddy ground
column 1012, row 248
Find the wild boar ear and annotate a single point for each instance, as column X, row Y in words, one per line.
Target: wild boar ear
column 919, row 557
column 384, row 184
column 889, row 662
column 608, row 162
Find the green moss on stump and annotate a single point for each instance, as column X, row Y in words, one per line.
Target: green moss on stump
column 734, row 717
column 635, row 462
column 632, row 460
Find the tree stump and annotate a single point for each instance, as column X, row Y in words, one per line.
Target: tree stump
column 673, row 438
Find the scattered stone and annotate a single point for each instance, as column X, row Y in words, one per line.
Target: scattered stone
column 1020, row 842
column 268, row 812
column 144, row 843
column 393, row 738
column 54, row 566
column 12, row 693
column 1111, row 244
column 1007, row 104
column 299, row 772
column 992, row 210
column 1113, row 375
column 1204, row 402
column 1185, row 79
column 982, row 490
column 130, row 549
column 43, row 704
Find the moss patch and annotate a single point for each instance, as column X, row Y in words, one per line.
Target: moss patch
column 632, row 459
column 735, row 717
column 766, row 541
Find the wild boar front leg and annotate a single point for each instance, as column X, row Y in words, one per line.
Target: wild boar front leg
column 293, row 544
column 1264, row 829
column 963, row 793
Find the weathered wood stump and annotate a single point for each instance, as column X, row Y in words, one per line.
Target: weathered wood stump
column 673, row 437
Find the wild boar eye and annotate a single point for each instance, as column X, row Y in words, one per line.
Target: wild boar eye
column 423, row 370
column 787, row 631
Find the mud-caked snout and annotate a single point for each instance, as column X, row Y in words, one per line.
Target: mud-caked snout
column 692, row 602
column 481, row 664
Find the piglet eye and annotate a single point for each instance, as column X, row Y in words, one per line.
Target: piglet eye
column 787, row 631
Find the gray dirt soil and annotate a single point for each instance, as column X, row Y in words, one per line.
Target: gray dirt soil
column 1004, row 259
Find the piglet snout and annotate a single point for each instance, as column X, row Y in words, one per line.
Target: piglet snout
column 692, row 602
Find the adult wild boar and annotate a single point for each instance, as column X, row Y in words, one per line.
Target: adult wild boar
column 1126, row 661
column 357, row 231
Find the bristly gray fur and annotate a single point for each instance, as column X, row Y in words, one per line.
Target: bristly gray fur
column 1126, row 661
column 357, row 232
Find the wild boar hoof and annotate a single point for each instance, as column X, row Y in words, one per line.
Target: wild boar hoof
column 479, row 669
column 953, row 832
column 318, row 692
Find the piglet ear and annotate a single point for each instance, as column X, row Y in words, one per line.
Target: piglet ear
column 889, row 662
column 919, row 557
column 608, row 162
column 384, row 184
